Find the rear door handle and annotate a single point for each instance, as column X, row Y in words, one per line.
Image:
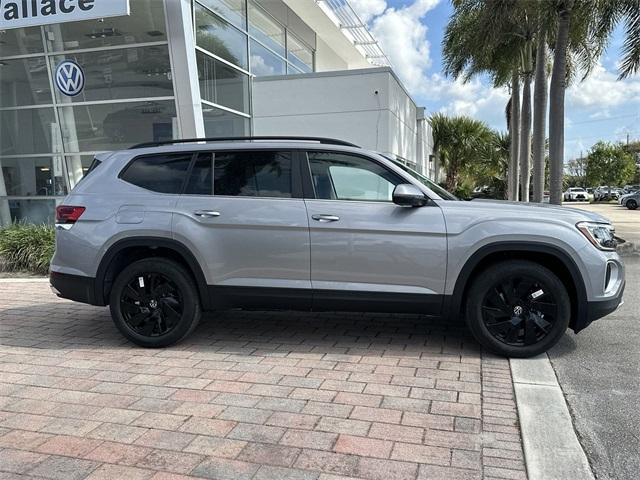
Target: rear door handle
column 206, row 213
column 325, row 218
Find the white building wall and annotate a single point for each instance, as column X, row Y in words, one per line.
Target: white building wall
column 327, row 59
column 367, row 107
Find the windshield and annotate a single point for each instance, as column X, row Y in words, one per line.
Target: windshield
column 442, row 193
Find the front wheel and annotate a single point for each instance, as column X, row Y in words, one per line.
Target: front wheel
column 154, row 303
column 632, row 204
column 518, row 308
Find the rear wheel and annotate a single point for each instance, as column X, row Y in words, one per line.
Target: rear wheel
column 154, row 303
column 518, row 308
column 632, row 204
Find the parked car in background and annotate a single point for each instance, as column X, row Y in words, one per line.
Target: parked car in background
column 606, row 193
column 631, row 200
column 576, row 194
column 631, row 188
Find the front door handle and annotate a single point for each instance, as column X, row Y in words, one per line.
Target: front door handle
column 206, row 213
column 325, row 218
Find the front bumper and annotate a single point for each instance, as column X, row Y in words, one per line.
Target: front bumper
column 74, row 287
column 596, row 310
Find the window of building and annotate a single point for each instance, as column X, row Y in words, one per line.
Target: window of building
column 299, row 54
column 117, row 126
column 20, row 41
column 264, row 62
column 220, row 38
column 163, row 173
column 27, row 131
column 222, row 84
column 24, row 82
column 346, row 177
column 221, row 123
column 235, row 11
column 146, row 23
column 242, row 174
column 266, row 29
column 127, row 73
column 33, row 176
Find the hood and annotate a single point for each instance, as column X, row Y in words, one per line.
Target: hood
column 533, row 211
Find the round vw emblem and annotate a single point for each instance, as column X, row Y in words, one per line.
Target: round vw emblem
column 69, row 78
column 153, row 304
column 517, row 310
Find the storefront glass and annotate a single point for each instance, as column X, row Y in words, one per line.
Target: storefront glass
column 48, row 139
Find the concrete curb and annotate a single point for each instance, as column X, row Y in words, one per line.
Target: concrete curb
column 551, row 448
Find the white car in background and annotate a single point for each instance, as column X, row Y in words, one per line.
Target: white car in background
column 576, row 194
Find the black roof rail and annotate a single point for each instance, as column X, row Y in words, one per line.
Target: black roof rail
column 323, row 140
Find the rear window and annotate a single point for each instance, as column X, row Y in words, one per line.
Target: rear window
column 163, row 173
column 242, row 174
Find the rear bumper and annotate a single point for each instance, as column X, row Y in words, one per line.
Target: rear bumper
column 74, row 287
column 596, row 310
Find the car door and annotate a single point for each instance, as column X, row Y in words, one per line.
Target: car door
column 368, row 253
column 243, row 214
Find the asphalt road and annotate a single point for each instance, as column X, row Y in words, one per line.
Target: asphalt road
column 599, row 372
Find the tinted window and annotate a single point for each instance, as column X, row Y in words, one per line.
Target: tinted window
column 159, row 173
column 242, row 174
column 344, row 177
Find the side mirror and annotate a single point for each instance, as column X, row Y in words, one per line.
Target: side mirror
column 407, row 195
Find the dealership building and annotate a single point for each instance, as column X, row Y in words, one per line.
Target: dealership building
column 78, row 77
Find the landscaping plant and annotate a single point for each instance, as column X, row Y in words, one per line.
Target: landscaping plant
column 25, row 247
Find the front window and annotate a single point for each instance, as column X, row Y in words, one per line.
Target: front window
column 338, row 176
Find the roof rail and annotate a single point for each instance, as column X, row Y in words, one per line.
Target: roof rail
column 326, row 141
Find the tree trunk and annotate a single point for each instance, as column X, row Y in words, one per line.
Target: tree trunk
column 556, row 101
column 539, row 119
column 514, row 130
column 525, row 138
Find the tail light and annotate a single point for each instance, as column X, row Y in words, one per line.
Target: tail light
column 68, row 214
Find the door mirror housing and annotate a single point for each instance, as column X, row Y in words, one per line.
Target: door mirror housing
column 407, row 195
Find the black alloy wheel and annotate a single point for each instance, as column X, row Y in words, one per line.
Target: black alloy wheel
column 519, row 311
column 517, row 308
column 151, row 304
column 632, row 204
column 155, row 302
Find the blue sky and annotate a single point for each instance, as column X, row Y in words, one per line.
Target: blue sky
column 410, row 32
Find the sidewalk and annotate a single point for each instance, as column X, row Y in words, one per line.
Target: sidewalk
column 250, row 396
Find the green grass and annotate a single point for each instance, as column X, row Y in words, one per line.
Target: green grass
column 27, row 248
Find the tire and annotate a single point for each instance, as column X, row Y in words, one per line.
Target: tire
column 502, row 291
column 161, row 309
column 632, row 204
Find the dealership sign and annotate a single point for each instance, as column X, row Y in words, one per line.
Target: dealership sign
column 29, row 13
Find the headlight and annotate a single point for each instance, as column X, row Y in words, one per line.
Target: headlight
column 601, row 235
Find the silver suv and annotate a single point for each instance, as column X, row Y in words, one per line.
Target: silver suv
column 163, row 232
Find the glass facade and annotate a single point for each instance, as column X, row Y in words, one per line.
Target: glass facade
column 235, row 40
column 48, row 139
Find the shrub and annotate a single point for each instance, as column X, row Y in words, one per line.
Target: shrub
column 25, row 247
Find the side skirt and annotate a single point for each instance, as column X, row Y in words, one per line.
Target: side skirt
column 257, row 298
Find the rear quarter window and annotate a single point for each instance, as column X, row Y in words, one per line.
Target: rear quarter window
column 162, row 173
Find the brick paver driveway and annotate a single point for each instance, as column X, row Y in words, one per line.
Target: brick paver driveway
column 250, row 395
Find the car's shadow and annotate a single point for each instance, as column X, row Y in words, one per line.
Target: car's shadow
column 66, row 325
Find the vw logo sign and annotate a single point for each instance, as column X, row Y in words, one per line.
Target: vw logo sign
column 69, row 78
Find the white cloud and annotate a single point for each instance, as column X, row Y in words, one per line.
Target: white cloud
column 402, row 36
column 368, row 9
column 602, row 90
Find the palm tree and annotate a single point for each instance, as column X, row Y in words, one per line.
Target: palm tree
column 539, row 116
column 458, row 141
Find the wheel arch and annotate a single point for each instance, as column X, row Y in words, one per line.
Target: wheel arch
column 124, row 251
column 552, row 257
